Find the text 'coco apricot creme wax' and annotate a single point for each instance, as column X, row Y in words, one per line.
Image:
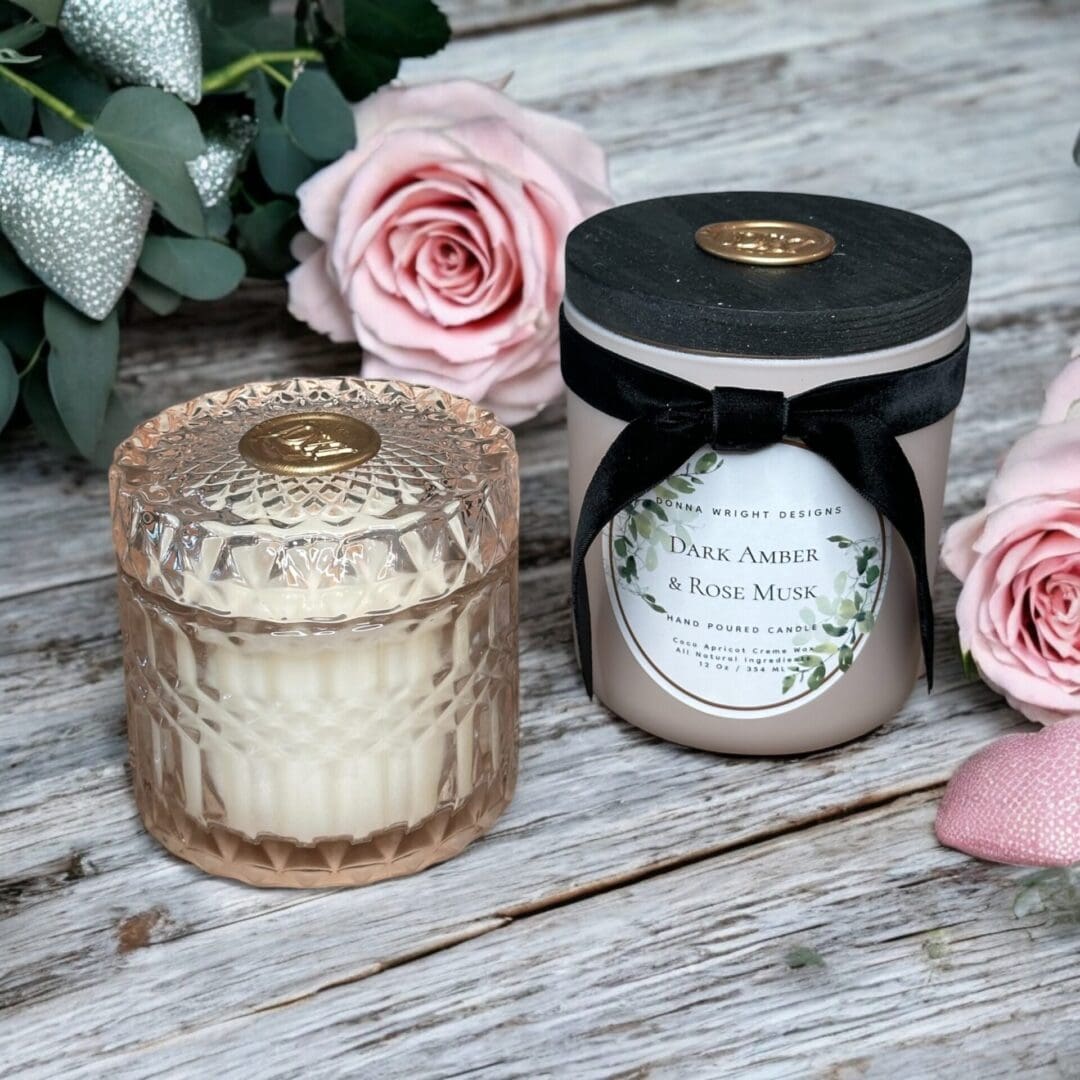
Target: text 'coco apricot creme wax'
column 318, row 597
column 761, row 397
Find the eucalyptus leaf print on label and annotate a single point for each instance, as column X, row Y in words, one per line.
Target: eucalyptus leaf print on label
column 662, row 517
column 748, row 583
column 836, row 625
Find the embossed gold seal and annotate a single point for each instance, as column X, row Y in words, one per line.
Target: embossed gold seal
column 765, row 243
column 309, row 443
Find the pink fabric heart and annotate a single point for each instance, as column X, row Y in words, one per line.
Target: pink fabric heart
column 1018, row 800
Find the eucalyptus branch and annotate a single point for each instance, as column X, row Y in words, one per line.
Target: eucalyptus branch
column 276, row 75
column 61, row 108
column 234, row 72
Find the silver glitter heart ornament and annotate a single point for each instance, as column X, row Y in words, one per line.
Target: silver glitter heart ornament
column 214, row 170
column 145, row 42
column 75, row 218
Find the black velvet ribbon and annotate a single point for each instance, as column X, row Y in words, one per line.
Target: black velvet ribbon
column 852, row 424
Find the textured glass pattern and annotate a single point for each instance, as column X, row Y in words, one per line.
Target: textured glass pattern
column 322, row 722
column 434, row 509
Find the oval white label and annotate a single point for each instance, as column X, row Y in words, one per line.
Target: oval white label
column 747, row 583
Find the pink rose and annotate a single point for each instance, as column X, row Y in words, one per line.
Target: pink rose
column 1019, row 560
column 1063, row 393
column 438, row 242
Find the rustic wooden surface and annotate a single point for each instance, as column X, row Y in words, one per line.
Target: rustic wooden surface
column 636, row 910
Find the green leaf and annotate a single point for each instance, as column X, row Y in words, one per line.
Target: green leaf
column 872, row 575
column 680, row 483
column 219, row 219
column 631, row 568
column 25, row 33
column 199, row 269
column 787, row 684
column 14, row 276
column 264, row 237
column 644, row 524
column 652, row 560
column 74, row 82
column 397, row 27
column 846, row 609
column 970, row 668
column 283, row 164
column 9, row 386
column 45, row 11
column 359, row 71
column 117, row 426
column 160, row 299
column 20, row 324
column 621, row 547
column 817, row 677
column 82, row 368
column 38, row 402
column 318, row 117
column 833, row 631
column 842, row 540
column 707, row 462
column 841, row 582
column 16, row 110
column 655, row 509
column 845, row 657
column 808, row 616
column 153, row 136
column 825, row 605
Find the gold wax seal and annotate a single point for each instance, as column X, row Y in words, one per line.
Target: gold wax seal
column 309, row 443
column 765, row 243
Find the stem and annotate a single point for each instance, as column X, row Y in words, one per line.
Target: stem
column 275, row 74
column 230, row 73
column 33, row 359
column 61, row 108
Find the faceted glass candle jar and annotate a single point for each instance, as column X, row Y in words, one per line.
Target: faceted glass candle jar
column 318, row 596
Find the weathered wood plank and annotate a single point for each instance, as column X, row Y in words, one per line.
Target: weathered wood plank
column 925, row 970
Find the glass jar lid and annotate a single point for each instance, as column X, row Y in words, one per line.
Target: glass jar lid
column 314, row 499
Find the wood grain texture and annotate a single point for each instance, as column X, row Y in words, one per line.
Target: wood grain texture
column 912, row 959
column 134, row 963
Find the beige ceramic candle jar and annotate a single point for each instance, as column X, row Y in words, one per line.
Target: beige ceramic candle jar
column 318, row 596
column 762, row 389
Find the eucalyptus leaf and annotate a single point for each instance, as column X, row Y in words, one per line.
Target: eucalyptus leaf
column 39, row 405
column 9, row 386
column 116, row 426
column 397, row 27
column 358, row 70
column 69, row 79
column 283, row 164
column 219, row 219
column 160, row 299
column 199, row 269
column 45, row 11
column 14, row 276
column 20, row 324
column 25, row 33
column 318, row 117
column 264, row 237
column 82, row 363
column 55, row 128
column 153, row 136
column 16, row 110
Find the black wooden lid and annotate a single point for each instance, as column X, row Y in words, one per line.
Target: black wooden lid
column 894, row 277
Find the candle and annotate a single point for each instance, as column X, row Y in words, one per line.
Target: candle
column 761, row 396
column 321, row 662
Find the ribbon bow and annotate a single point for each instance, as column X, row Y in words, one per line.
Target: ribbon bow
column 852, row 423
